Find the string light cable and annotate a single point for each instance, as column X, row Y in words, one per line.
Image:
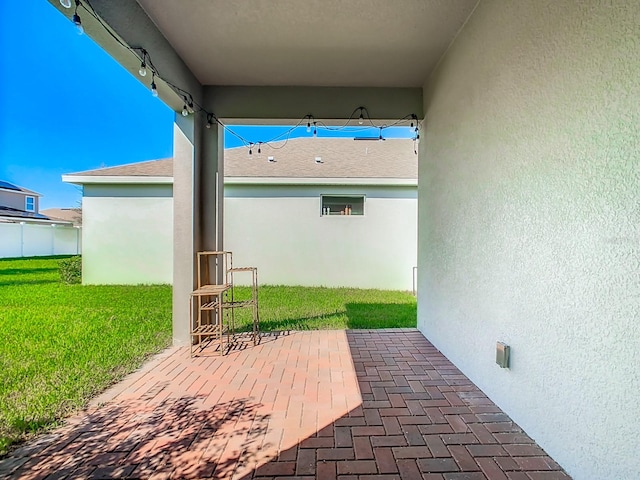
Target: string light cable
column 190, row 106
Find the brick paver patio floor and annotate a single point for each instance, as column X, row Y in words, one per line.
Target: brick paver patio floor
column 351, row 405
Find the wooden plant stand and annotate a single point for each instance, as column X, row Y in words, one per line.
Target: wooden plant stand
column 216, row 301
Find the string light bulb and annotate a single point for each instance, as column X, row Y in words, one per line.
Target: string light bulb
column 417, row 139
column 259, row 149
column 250, row 149
column 308, row 127
column 78, row 23
column 414, row 118
column 154, row 90
column 143, row 69
column 76, row 19
column 209, row 118
column 361, row 119
column 315, row 129
column 65, row 3
column 185, row 111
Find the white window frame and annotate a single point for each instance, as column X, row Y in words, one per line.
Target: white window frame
column 26, row 203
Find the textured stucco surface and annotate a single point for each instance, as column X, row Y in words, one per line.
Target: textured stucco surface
column 279, row 229
column 127, row 234
column 529, row 221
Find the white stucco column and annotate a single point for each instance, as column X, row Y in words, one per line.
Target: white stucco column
column 183, row 226
column 197, row 200
column 208, row 190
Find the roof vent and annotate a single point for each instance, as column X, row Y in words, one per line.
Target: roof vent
column 271, row 159
column 319, row 160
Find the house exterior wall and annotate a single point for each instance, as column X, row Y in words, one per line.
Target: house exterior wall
column 280, row 230
column 529, row 224
column 17, row 200
column 127, row 234
column 29, row 240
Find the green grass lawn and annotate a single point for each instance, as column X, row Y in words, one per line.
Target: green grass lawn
column 313, row 308
column 62, row 344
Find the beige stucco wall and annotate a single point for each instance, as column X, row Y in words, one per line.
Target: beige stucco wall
column 529, row 225
column 280, row 230
column 127, row 234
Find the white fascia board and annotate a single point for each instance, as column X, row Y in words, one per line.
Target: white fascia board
column 409, row 182
column 113, row 179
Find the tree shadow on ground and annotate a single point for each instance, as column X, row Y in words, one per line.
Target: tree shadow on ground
column 172, row 437
column 14, row 283
column 26, row 275
column 287, row 324
column 26, row 271
column 46, row 257
column 238, row 342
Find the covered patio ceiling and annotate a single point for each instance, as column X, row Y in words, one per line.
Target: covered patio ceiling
column 280, row 60
column 325, row 43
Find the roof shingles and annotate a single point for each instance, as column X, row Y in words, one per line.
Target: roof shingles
column 151, row 168
column 338, row 158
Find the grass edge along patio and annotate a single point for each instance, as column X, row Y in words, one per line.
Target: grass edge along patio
column 63, row 344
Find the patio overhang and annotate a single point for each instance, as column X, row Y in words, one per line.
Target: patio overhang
column 227, row 53
column 237, row 60
column 327, row 43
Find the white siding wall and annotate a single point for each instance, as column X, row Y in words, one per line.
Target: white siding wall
column 280, row 230
column 127, row 234
column 530, row 222
column 31, row 240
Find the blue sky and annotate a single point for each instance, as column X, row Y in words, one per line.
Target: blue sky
column 67, row 106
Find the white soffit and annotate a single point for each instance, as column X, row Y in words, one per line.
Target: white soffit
column 354, row 43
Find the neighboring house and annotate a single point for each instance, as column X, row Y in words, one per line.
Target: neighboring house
column 286, row 212
column 127, row 223
column 27, row 232
column 319, row 211
column 73, row 215
column 18, row 204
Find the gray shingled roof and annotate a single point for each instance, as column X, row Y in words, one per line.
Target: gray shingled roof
column 67, row 214
column 17, row 213
column 151, row 168
column 339, row 158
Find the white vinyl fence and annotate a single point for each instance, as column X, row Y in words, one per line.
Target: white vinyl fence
column 29, row 240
